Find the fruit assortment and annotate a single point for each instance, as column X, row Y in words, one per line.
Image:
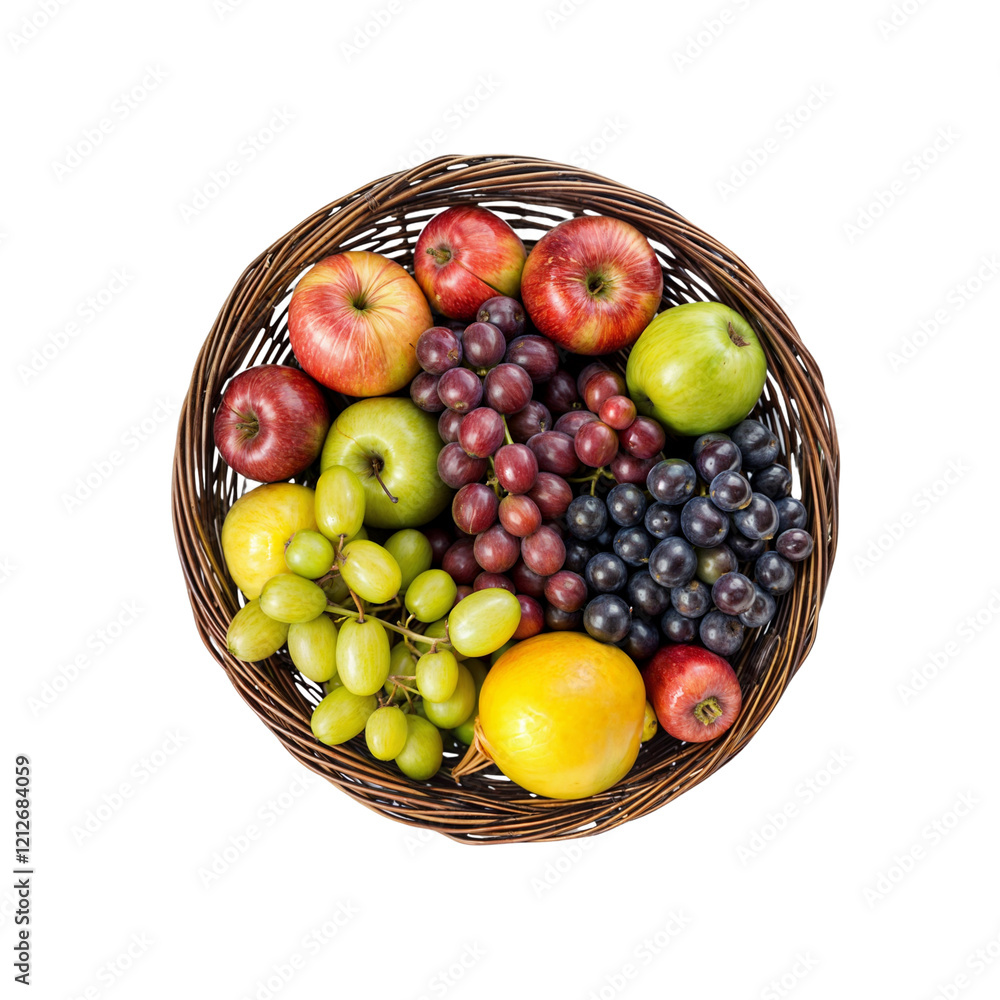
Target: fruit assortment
column 506, row 540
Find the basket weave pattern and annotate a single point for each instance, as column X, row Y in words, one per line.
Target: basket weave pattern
column 386, row 217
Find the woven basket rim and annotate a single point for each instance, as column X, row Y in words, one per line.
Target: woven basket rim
column 248, row 330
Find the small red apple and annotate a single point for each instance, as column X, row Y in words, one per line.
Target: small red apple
column 592, row 284
column 353, row 323
column 271, row 423
column 465, row 256
column 695, row 693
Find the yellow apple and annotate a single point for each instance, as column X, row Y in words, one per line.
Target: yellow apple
column 257, row 527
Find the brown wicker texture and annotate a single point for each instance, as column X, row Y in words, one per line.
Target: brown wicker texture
column 386, row 217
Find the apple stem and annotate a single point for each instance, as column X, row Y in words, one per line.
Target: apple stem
column 734, row 336
column 441, row 255
column 707, row 711
column 377, row 467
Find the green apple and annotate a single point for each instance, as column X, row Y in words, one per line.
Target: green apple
column 392, row 446
column 696, row 368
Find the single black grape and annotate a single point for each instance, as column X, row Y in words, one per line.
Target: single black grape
column 757, row 520
column 703, row 440
column 795, row 544
column 792, row 513
column 562, row 621
column 774, row 481
column 626, row 504
column 604, row 540
column 633, row 545
column 733, row 593
column 758, row 444
column 721, row 633
column 774, row 573
column 716, row 457
column 606, row 618
column 672, row 481
column 646, row 595
column 744, row 548
column 605, row 573
column 662, row 520
column 691, row 600
column 586, row 517
column 730, row 490
column 761, row 611
column 642, row 641
column 578, row 554
column 676, row 627
column 703, row 524
column 673, row 562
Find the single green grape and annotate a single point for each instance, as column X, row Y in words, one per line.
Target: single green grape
column 423, row 751
column 497, row 653
column 455, row 710
column 386, row 732
column 370, row 571
column 431, row 595
column 313, row 648
column 341, row 715
column 253, row 635
column 411, row 549
column 649, row 724
column 340, row 502
column 483, row 621
column 363, row 655
column 437, row 675
column 402, row 664
column 309, row 554
column 478, row 669
column 436, row 630
column 466, row 732
column 335, row 589
column 291, row 598
column 332, row 683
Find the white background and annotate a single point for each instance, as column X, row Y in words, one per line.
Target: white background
column 851, row 848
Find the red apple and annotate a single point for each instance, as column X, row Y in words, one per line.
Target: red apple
column 695, row 693
column 271, row 423
column 353, row 323
column 592, row 284
column 465, row 256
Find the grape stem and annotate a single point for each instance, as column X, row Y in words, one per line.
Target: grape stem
column 506, row 431
column 409, row 633
column 361, row 607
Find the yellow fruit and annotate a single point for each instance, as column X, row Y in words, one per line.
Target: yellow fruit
column 562, row 714
column 256, row 529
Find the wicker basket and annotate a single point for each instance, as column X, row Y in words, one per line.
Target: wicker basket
column 386, row 217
